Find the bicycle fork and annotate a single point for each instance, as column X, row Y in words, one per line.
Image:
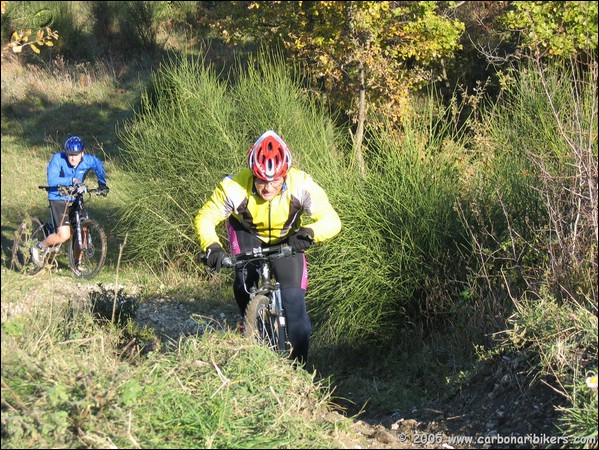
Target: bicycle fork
column 83, row 237
column 279, row 314
column 277, row 304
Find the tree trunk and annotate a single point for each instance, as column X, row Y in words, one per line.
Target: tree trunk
column 359, row 136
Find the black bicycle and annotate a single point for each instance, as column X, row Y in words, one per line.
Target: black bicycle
column 264, row 317
column 87, row 246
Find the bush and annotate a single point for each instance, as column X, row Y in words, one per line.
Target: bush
column 533, row 225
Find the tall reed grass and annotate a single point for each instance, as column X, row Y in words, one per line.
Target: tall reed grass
column 181, row 142
column 533, row 225
column 399, row 229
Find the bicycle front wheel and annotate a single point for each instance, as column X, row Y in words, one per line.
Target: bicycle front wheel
column 264, row 326
column 29, row 233
column 87, row 260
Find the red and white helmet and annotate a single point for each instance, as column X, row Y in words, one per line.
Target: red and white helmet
column 269, row 158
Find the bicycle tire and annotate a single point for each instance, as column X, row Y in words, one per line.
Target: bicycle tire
column 27, row 234
column 93, row 252
column 264, row 326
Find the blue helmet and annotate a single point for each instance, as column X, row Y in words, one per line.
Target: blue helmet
column 73, row 145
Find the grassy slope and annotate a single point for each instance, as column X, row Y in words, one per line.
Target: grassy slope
column 33, row 124
column 130, row 401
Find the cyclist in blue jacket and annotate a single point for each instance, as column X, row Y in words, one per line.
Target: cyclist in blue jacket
column 66, row 168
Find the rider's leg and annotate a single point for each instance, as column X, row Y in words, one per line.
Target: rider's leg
column 240, row 240
column 62, row 234
column 60, row 214
column 241, row 288
column 292, row 273
column 298, row 322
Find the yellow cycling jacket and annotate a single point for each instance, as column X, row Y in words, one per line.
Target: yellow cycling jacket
column 270, row 221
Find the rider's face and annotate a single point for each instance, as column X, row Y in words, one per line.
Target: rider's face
column 74, row 160
column 269, row 190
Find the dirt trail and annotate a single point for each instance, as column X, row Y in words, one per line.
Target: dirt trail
column 498, row 409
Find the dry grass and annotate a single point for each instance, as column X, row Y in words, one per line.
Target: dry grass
column 56, row 82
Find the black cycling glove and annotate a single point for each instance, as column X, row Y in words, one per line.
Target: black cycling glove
column 302, row 240
column 102, row 190
column 214, row 257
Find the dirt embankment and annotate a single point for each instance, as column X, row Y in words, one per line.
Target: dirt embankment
column 499, row 408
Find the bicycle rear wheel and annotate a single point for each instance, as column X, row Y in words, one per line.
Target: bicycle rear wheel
column 29, row 233
column 87, row 261
column 264, row 326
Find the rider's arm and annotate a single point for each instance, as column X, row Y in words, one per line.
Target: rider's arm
column 326, row 223
column 93, row 163
column 214, row 211
column 98, row 168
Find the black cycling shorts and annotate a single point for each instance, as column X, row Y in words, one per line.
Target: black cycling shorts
column 61, row 212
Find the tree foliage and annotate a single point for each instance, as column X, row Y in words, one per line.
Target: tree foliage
column 554, row 29
column 26, row 20
column 397, row 45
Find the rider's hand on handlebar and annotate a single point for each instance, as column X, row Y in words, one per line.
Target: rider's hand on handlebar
column 102, row 190
column 78, row 187
column 214, row 257
column 69, row 191
column 302, row 240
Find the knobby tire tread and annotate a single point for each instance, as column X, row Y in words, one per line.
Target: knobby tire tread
column 258, row 315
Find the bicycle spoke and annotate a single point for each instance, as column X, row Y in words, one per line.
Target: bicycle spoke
column 263, row 326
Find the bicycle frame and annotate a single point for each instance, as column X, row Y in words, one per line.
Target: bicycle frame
column 80, row 213
column 265, row 316
column 265, row 284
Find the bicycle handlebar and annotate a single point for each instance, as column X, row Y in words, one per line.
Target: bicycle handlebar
column 278, row 251
column 78, row 189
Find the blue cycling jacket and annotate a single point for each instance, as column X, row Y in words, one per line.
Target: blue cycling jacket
column 61, row 173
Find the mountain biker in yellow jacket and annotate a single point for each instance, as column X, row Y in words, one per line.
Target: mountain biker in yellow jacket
column 264, row 205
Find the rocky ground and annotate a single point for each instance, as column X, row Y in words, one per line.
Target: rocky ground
column 500, row 408
column 494, row 411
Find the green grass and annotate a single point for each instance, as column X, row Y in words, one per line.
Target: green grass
column 68, row 380
column 71, row 380
column 63, row 371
